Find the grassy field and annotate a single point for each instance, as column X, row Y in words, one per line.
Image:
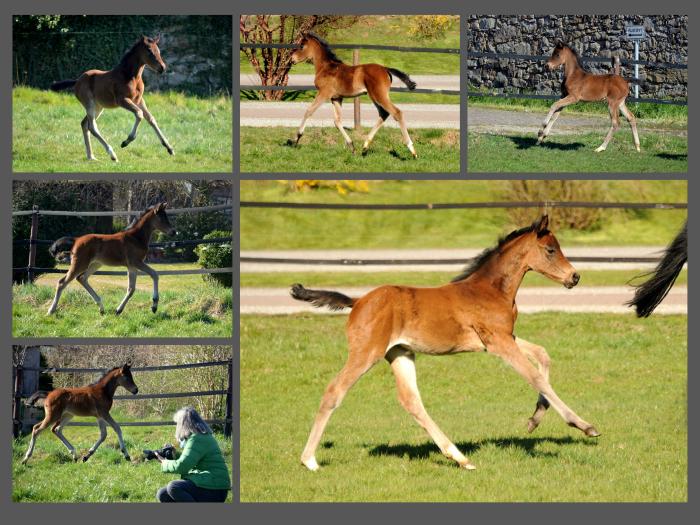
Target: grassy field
column 335, row 229
column 410, row 278
column 626, row 376
column 661, row 153
column 188, row 307
column 323, row 149
column 52, row 476
column 47, row 136
column 389, row 31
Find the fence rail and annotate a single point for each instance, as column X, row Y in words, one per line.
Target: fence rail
column 403, row 49
column 193, row 271
column 173, row 211
column 466, row 205
column 227, row 422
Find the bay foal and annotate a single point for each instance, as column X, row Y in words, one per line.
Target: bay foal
column 120, row 87
column 336, row 81
column 95, row 400
column 579, row 85
column 127, row 248
column 474, row 313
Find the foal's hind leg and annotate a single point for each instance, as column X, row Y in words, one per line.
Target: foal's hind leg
column 338, row 114
column 36, row 430
column 93, row 114
column 633, row 123
column 86, row 137
column 72, row 273
column 614, row 125
column 357, row 364
column 57, row 429
column 83, row 279
column 540, row 356
column 383, row 114
column 404, row 368
column 395, row 112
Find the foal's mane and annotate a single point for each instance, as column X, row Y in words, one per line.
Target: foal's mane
column 478, row 261
column 104, row 375
column 325, row 46
column 129, row 53
column 562, row 45
column 133, row 222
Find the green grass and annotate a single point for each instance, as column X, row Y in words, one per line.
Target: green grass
column 262, row 229
column 626, row 376
column 390, row 31
column 327, row 279
column 652, row 114
column 188, row 307
column 661, row 153
column 52, row 476
column 47, row 136
column 323, row 149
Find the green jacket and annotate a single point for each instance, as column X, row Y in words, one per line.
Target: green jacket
column 201, row 462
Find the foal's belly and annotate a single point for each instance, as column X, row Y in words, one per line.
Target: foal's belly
column 439, row 344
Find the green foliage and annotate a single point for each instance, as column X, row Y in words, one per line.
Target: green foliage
column 216, row 256
column 606, row 367
column 427, row 27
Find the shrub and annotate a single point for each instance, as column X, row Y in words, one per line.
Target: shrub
column 427, row 27
column 216, row 256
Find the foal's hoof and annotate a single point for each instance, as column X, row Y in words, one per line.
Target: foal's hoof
column 171, row 151
column 468, row 466
column 117, row 312
column 310, row 464
column 365, row 151
column 531, row 425
column 154, row 308
column 127, row 457
column 125, row 143
column 591, row 432
column 85, row 458
column 292, row 142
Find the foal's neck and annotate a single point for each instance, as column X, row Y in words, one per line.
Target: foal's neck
column 505, row 270
column 571, row 66
column 109, row 385
column 143, row 229
column 131, row 64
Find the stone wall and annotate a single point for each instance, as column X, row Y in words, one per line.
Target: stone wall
column 594, row 35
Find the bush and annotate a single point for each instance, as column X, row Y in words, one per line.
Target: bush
column 428, row 27
column 558, row 190
column 216, row 256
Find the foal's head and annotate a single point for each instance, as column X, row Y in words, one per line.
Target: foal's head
column 160, row 219
column 561, row 55
column 312, row 46
column 545, row 255
column 148, row 53
column 124, row 378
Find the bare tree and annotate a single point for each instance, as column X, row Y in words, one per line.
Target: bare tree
column 272, row 65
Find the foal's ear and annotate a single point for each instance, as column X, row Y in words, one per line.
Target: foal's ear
column 560, row 45
column 542, row 224
column 156, row 39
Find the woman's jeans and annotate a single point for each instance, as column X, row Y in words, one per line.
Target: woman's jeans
column 183, row 490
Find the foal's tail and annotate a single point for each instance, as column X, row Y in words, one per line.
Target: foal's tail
column 62, row 85
column 320, row 298
column 36, row 399
column 650, row 293
column 60, row 250
column 403, row 77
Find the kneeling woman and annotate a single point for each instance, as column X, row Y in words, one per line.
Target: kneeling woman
column 201, row 465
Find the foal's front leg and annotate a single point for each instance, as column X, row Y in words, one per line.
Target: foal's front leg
column 130, row 106
column 154, row 275
column 152, row 122
column 320, row 99
column 555, row 109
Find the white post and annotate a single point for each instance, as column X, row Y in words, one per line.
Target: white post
column 636, row 69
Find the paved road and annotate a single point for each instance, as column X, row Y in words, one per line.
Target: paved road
column 608, row 299
column 500, row 121
column 610, row 251
column 422, row 81
column 289, row 114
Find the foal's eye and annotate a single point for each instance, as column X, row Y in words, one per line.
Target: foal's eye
column 549, row 250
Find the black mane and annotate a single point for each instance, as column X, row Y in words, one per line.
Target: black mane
column 325, row 46
column 478, row 261
column 133, row 221
column 126, row 56
column 562, row 45
column 104, row 375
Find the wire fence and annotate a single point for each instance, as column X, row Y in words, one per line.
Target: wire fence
column 227, row 422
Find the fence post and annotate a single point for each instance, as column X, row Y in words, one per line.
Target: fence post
column 16, row 403
column 356, row 100
column 33, row 235
column 229, row 401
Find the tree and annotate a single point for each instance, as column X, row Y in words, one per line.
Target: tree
column 272, row 65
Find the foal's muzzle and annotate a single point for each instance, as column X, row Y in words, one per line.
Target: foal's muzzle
column 573, row 281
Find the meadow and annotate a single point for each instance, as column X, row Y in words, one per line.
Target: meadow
column 626, row 376
column 323, row 149
column 189, row 307
column 52, row 476
column 47, row 136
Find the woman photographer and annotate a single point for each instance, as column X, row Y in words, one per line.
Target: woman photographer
column 201, row 465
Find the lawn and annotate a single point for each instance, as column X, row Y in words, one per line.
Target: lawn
column 282, row 229
column 661, row 153
column 626, row 376
column 188, row 307
column 47, row 136
column 412, row 278
column 52, row 476
column 323, row 149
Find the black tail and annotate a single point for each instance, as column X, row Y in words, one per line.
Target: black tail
column 62, row 85
column 319, row 298
column 36, row 399
column 403, row 77
column 650, row 293
column 60, row 250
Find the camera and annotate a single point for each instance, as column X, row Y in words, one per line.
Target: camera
column 167, row 452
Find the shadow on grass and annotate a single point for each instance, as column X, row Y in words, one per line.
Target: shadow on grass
column 527, row 445
column 673, row 156
column 531, row 142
